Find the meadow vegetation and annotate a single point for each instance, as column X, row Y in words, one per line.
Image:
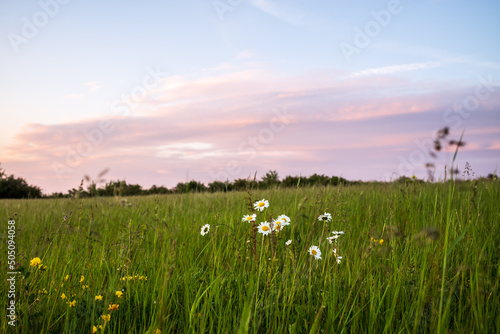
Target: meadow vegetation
column 415, row 258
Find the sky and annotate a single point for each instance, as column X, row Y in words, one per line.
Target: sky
column 161, row 92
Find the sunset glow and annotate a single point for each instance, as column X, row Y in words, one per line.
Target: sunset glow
column 165, row 92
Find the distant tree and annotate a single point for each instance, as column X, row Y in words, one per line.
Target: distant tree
column 154, row 190
column 16, row 187
column 270, row 179
column 112, row 188
column 243, row 184
column 180, row 188
column 195, row 186
column 120, row 188
column 92, row 189
column 58, row 195
column 132, row 190
column 316, row 179
column 292, row 181
column 191, row 186
column 336, row 180
column 218, row 186
column 304, row 181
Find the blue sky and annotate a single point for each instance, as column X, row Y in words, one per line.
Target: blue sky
column 223, row 74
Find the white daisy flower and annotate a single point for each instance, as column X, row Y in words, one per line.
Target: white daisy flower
column 336, row 235
column 325, row 217
column 261, row 205
column 205, row 229
column 314, row 251
column 330, row 239
column 277, row 225
column 249, row 218
column 338, row 258
column 285, row 220
column 264, row 228
column 289, row 242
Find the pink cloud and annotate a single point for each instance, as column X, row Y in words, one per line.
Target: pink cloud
column 202, row 124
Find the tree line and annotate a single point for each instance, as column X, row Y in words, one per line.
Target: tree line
column 16, row 187
column 270, row 180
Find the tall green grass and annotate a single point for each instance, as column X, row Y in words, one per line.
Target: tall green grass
column 411, row 283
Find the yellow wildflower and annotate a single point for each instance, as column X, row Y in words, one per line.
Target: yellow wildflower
column 99, row 297
column 119, row 294
column 63, row 296
column 66, row 277
column 157, row 331
column 82, row 278
column 35, row 262
column 381, row 241
column 106, row 317
column 73, row 303
column 85, row 287
column 113, row 307
column 94, row 329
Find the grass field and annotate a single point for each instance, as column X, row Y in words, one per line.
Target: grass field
column 436, row 270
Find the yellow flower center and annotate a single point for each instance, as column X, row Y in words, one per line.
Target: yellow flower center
column 249, row 218
column 261, row 204
column 283, row 219
column 265, row 228
column 314, row 252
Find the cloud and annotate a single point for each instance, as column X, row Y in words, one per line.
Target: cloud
column 494, row 146
column 189, row 150
column 272, row 8
column 253, row 119
column 245, row 54
column 92, row 85
column 398, row 68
